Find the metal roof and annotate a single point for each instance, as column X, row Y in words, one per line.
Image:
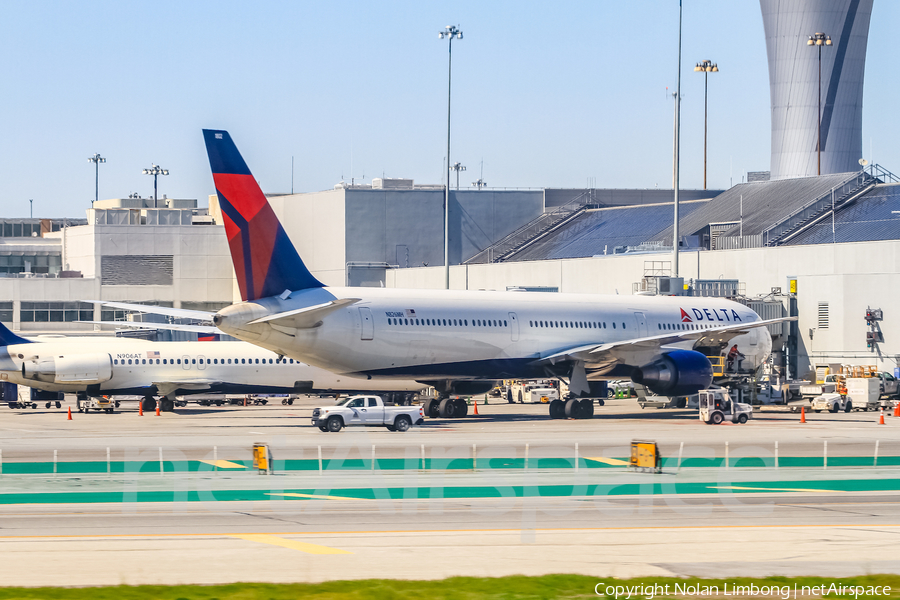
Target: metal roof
column 869, row 219
column 599, row 231
column 764, row 203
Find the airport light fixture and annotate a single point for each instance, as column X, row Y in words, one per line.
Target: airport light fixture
column 818, row 40
column 706, row 67
column 458, row 167
column 677, row 158
column 97, row 159
column 451, row 32
column 156, row 171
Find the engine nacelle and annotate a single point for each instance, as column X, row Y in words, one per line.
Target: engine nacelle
column 678, row 373
column 78, row 369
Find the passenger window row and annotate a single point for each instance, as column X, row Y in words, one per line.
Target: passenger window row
column 683, row 326
column 573, row 324
column 449, row 322
column 213, row 361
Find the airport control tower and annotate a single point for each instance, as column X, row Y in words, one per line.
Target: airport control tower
column 795, row 86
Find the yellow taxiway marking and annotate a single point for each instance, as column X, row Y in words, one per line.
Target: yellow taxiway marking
column 316, row 497
column 607, row 461
column 264, row 538
column 762, row 489
column 223, row 464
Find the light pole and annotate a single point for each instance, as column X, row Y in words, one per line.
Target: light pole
column 819, row 39
column 156, row 171
column 458, row 167
column 707, row 67
column 97, row 159
column 675, row 234
column 450, row 33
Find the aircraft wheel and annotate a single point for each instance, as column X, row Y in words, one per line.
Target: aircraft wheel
column 448, row 408
column 430, row 408
column 587, row 408
column 148, row 403
column 334, row 424
column 462, row 408
column 557, row 409
column 573, row 409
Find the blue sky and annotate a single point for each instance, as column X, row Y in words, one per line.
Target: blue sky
column 546, row 94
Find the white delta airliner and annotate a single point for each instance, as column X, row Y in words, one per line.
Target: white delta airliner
column 94, row 366
column 460, row 342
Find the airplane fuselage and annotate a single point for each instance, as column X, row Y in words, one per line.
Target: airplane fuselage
column 128, row 366
column 435, row 334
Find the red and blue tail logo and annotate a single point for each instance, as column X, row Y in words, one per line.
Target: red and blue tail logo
column 265, row 261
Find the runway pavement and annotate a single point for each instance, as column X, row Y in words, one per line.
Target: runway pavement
column 202, row 526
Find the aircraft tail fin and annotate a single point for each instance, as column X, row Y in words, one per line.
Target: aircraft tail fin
column 8, row 338
column 265, row 260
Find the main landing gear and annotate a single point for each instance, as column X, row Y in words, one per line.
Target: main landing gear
column 445, row 407
column 572, row 408
column 165, row 404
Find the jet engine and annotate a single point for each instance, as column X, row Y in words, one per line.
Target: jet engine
column 678, row 373
column 84, row 369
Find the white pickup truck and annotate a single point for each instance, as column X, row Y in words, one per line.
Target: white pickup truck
column 369, row 411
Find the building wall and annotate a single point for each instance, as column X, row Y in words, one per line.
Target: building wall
column 849, row 277
column 397, row 227
column 794, row 83
column 201, row 269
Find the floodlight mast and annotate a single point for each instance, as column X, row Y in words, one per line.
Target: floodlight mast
column 156, row 171
column 818, row 40
column 451, row 32
column 96, row 159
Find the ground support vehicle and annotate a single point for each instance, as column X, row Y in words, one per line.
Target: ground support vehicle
column 368, row 411
column 832, row 402
column 716, row 406
column 864, row 392
column 85, row 403
column 532, row 392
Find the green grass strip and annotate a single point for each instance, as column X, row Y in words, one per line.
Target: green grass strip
column 455, row 588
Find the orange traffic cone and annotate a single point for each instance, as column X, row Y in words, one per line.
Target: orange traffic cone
column 141, row 408
column 157, row 407
column 70, row 414
column 897, row 409
column 476, row 405
column 803, row 414
column 881, row 418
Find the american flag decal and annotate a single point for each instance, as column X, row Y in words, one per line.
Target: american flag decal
column 152, row 354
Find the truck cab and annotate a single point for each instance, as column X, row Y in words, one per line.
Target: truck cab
column 716, row 406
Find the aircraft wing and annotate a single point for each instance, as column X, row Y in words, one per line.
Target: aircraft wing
column 307, row 317
column 207, row 329
column 182, row 313
column 601, row 355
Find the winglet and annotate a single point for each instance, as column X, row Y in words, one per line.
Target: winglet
column 265, row 261
column 8, row 338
